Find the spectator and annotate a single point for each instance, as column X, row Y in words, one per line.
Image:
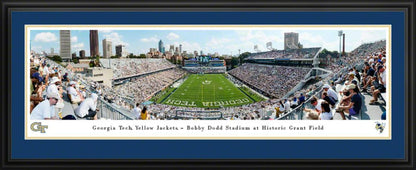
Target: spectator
column 46, row 109
column 144, row 115
column 328, row 99
column 36, row 95
column 331, row 93
column 367, row 76
column 287, row 105
column 54, row 87
column 65, row 77
column 354, row 106
column 301, row 98
column 74, row 94
column 380, row 85
column 314, row 113
column 136, row 111
column 294, row 103
column 88, row 108
column 326, row 111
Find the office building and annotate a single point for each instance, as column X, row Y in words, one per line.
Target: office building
column 107, row 48
column 65, row 44
column 82, row 54
column 161, row 48
column 94, row 43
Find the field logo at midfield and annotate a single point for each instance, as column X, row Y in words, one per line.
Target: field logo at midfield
column 206, row 82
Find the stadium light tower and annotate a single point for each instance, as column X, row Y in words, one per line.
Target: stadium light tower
column 256, row 48
column 269, row 46
column 340, row 36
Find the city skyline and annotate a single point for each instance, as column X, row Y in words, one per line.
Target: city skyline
column 223, row 42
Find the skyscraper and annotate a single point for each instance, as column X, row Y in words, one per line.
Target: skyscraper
column 161, row 49
column 121, row 51
column 82, row 54
column 180, row 48
column 65, row 44
column 171, row 48
column 94, row 43
column 107, row 48
column 291, row 40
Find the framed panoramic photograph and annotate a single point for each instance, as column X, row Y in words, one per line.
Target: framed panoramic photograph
column 205, row 84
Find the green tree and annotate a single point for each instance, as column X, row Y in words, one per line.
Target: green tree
column 75, row 60
column 97, row 61
column 57, row 58
column 234, row 61
column 243, row 56
column 142, row 56
column 300, row 45
column 325, row 52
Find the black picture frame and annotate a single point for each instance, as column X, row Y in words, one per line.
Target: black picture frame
column 8, row 6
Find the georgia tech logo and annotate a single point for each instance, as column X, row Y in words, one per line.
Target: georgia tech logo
column 37, row 126
column 380, row 126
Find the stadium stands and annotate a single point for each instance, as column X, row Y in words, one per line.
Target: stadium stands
column 286, row 54
column 130, row 67
column 143, row 88
column 275, row 81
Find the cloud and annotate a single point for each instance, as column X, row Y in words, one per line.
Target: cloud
column 249, row 38
column 371, row 36
column 172, row 36
column 151, row 39
column 77, row 47
column 215, row 42
column 45, row 37
column 310, row 40
column 115, row 38
column 74, row 39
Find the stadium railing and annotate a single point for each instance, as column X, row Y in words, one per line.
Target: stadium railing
column 297, row 113
column 188, row 114
column 108, row 111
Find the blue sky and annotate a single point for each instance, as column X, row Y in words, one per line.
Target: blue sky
column 209, row 41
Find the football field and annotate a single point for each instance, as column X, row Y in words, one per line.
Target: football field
column 208, row 91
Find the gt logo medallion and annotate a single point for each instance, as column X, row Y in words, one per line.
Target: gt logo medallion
column 37, row 126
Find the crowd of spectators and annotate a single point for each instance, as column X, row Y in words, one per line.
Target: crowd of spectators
column 130, row 67
column 289, row 54
column 276, row 81
column 207, row 70
column 143, row 88
column 357, row 56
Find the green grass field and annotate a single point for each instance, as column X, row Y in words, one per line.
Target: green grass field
column 208, row 91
